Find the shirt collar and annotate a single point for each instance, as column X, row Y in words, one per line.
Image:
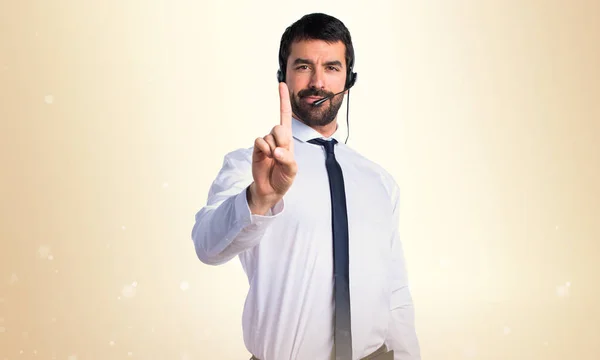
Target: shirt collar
column 303, row 132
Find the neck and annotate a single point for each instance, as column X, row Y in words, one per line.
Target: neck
column 325, row 130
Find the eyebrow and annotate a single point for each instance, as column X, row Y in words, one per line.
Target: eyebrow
column 308, row 62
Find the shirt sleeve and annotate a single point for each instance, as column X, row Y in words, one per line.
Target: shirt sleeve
column 402, row 337
column 225, row 227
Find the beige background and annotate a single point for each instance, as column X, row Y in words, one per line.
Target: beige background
column 115, row 116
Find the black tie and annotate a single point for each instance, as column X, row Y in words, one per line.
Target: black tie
column 342, row 335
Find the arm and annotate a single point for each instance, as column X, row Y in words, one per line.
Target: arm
column 226, row 227
column 402, row 337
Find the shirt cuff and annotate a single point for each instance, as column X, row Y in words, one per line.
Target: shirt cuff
column 254, row 221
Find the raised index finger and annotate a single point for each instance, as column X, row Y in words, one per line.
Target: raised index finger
column 285, row 106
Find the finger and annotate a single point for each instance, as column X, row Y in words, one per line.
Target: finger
column 270, row 140
column 285, row 106
column 286, row 158
column 283, row 136
column 261, row 146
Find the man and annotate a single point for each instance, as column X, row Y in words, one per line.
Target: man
column 314, row 224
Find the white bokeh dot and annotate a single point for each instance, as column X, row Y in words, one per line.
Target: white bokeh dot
column 507, row 330
column 13, row 279
column 128, row 291
column 49, row 99
column 44, row 252
column 184, row 285
column 563, row 291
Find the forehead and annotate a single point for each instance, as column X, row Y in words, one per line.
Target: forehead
column 318, row 50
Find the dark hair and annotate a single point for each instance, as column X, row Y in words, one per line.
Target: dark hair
column 316, row 26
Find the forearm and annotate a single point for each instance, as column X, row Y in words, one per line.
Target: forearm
column 223, row 231
column 402, row 337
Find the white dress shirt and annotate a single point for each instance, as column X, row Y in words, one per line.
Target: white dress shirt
column 288, row 255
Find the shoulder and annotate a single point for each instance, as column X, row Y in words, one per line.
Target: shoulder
column 238, row 158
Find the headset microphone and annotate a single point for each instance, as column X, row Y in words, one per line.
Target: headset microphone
column 320, row 101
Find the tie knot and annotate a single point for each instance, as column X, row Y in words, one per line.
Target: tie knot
column 328, row 144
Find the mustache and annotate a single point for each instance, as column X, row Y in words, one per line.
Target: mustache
column 314, row 92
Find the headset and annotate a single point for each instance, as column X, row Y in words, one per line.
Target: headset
column 350, row 78
column 350, row 81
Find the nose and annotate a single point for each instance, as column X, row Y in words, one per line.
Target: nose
column 316, row 79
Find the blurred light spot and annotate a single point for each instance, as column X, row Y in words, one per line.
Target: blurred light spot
column 165, row 185
column 128, row 291
column 184, row 285
column 2, row 329
column 123, row 227
column 72, row 357
column 44, row 252
column 444, row 263
column 134, row 284
column 507, row 330
column 130, row 353
column 49, row 99
column 563, row 291
column 111, row 343
column 13, row 279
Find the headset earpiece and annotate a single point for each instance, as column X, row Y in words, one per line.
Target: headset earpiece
column 349, row 83
column 351, row 80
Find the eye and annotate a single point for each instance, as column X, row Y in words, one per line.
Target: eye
column 302, row 67
column 333, row 68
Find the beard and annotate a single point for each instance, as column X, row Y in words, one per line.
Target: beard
column 320, row 115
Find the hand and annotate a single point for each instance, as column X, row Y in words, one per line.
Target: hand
column 273, row 165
